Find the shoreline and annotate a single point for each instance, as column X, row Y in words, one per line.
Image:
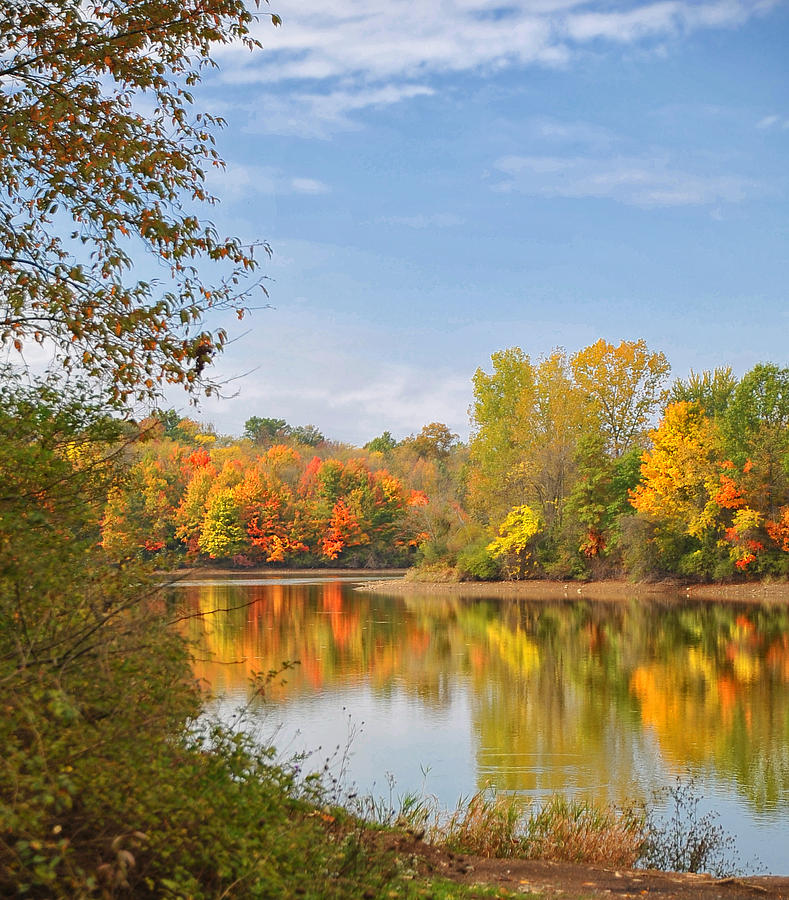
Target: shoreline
column 393, row 581
column 755, row 592
column 261, row 572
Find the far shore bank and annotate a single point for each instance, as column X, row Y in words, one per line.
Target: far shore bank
column 392, row 581
column 260, row 572
column 754, row 592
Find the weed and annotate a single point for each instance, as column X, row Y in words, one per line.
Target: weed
column 686, row 841
column 487, row 825
column 580, row 831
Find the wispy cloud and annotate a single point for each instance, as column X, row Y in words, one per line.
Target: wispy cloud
column 773, row 123
column 422, row 220
column 576, row 133
column 239, row 180
column 375, row 52
column 637, row 181
column 318, row 115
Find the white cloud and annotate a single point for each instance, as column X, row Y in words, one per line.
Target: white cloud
column 378, row 52
column 307, row 186
column 580, row 133
column 637, row 181
column 239, row 180
column 421, row 221
column 318, row 115
column 773, row 123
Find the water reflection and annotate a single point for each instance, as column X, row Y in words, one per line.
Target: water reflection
column 602, row 699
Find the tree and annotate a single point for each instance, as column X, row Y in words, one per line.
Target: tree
column 625, row 383
column 528, row 420
column 516, row 534
column 434, row 440
column 262, row 430
column 712, row 391
column 102, row 155
column 308, row 435
column 382, row 444
column 680, row 470
column 503, row 401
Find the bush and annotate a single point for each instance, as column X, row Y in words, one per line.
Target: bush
column 476, row 564
column 106, row 787
column 685, row 841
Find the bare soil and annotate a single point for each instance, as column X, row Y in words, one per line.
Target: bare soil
column 671, row 591
column 574, row 881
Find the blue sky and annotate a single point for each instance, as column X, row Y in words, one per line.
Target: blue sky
column 442, row 180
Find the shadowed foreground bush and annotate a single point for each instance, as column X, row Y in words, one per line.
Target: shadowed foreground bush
column 106, row 789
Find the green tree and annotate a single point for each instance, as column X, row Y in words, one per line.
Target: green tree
column 103, row 156
column 601, row 496
column 308, row 435
column 384, row 443
column 528, row 420
column 223, row 534
column 711, row 390
column 500, row 414
column 262, row 430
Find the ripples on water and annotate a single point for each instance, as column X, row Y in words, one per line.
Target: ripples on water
column 448, row 694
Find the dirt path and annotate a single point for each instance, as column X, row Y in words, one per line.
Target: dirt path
column 572, row 881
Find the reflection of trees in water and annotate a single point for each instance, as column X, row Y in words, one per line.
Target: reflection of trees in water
column 563, row 695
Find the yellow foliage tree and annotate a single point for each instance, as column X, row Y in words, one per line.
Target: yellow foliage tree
column 516, row 534
column 681, row 473
column 625, row 384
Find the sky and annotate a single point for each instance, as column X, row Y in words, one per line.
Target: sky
column 444, row 179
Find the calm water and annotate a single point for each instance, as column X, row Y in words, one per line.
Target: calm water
column 450, row 694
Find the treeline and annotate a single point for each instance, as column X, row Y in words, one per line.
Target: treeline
column 585, row 466
column 568, row 474
column 278, row 495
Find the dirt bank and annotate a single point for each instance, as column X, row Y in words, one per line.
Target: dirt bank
column 573, row 881
column 268, row 572
column 593, row 590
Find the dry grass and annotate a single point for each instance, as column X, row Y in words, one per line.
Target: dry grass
column 577, row 831
column 494, row 825
column 488, row 825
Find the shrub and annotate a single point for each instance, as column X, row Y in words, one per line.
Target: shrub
column 476, row 564
column 685, row 841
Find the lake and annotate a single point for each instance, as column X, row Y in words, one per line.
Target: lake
column 448, row 694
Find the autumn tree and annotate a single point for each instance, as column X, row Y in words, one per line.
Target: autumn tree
column 528, row 419
column 515, row 539
column 434, row 440
column 625, row 384
column 503, row 401
column 104, row 157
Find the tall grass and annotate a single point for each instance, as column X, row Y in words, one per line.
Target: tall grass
column 563, row 829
